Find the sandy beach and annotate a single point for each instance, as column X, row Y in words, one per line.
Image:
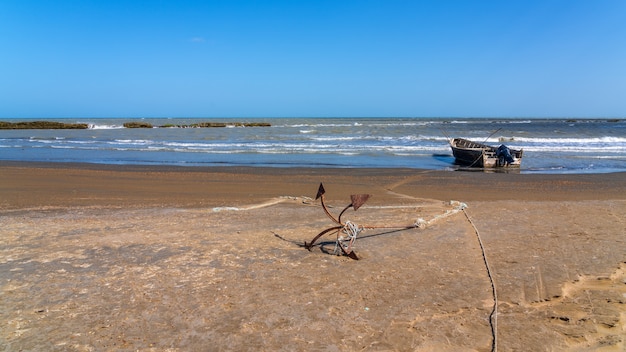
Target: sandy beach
column 153, row 258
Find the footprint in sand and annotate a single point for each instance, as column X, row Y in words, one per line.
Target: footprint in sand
column 591, row 313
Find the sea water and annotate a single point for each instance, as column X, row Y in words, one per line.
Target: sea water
column 550, row 145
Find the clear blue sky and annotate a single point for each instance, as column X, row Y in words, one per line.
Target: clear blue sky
column 509, row 58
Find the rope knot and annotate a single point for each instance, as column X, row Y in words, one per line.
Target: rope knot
column 351, row 231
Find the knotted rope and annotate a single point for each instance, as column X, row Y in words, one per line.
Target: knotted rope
column 351, row 231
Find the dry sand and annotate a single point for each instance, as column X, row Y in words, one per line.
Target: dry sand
column 100, row 257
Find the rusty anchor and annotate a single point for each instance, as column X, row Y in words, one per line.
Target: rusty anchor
column 349, row 229
column 347, row 232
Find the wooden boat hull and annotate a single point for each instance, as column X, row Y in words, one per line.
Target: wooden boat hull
column 473, row 154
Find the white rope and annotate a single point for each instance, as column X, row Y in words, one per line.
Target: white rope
column 493, row 317
column 458, row 206
column 351, row 230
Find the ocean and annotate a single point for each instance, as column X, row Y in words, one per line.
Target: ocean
column 550, row 145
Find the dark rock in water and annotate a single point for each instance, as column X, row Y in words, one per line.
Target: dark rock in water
column 49, row 125
column 137, row 125
column 220, row 124
column 41, row 125
column 209, row 124
column 252, row 124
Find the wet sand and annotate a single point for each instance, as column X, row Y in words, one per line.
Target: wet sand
column 98, row 257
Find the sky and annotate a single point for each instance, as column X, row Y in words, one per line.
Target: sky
column 365, row 58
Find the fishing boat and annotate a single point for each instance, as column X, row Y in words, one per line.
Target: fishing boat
column 479, row 155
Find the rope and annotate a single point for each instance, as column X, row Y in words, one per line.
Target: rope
column 458, row 206
column 493, row 317
column 351, row 230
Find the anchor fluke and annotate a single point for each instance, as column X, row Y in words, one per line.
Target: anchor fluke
column 358, row 200
column 320, row 191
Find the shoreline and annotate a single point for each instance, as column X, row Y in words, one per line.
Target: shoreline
column 32, row 184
